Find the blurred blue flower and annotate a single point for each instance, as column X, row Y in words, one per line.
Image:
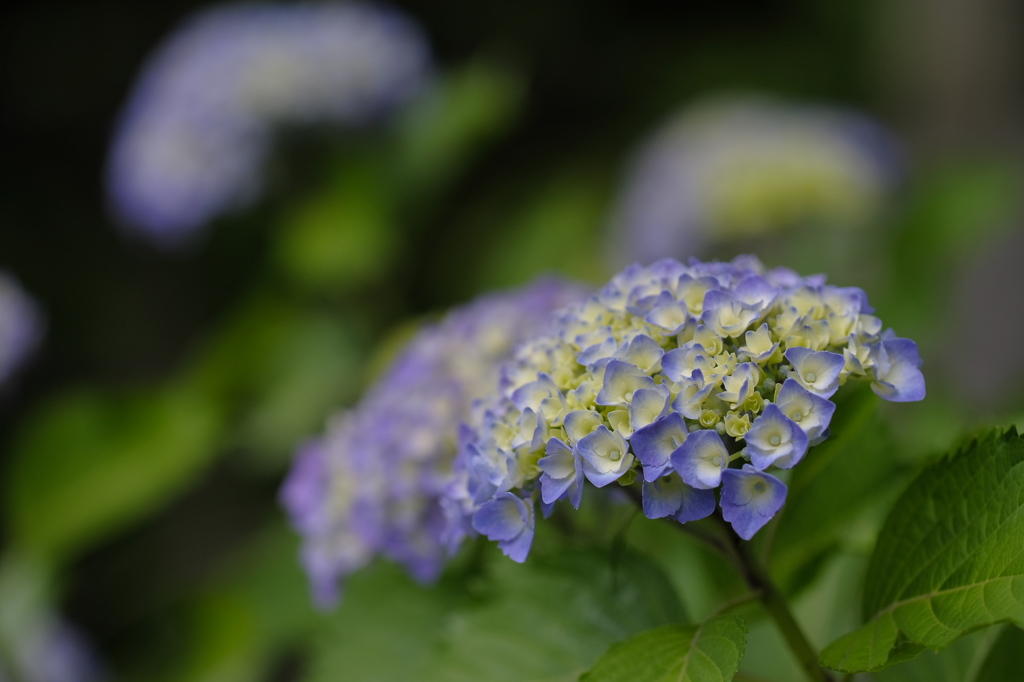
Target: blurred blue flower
column 372, row 484
column 21, row 326
column 736, row 167
column 196, row 130
column 739, row 378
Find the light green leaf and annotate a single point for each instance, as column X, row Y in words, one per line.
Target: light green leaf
column 830, row 491
column 950, row 558
column 709, row 652
column 345, row 235
column 550, row 619
column 89, row 463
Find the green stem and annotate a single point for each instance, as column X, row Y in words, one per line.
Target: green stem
column 749, row 566
column 756, row 576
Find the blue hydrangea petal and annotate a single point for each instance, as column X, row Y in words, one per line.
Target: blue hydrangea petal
column 643, row 352
column 605, row 455
column 512, row 513
column 501, row 518
column 580, row 423
column 679, row 363
column 750, row 499
column 775, row 439
column 621, row 380
column 756, row 292
column 697, row 504
column 726, row 315
column 668, row 313
column 692, row 394
column 897, row 377
column 662, row 497
column 654, row 444
column 701, row 459
column 817, row 371
column 648, row 405
column 811, row 412
column 532, row 395
column 563, row 473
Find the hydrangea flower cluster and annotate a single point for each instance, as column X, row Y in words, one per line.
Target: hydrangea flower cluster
column 196, row 130
column 690, row 378
column 372, row 484
column 736, row 167
column 20, row 326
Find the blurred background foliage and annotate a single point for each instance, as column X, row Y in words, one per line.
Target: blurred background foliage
column 142, row 450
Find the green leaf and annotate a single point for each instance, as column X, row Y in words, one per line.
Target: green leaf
column 440, row 132
column 554, row 228
column 709, row 652
column 1002, row 664
column 551, row 618
column 315, row 369
column 961, row 661
column 89, row 463
column 386, row 628
column 345, row 235
column 949, row 559
column 830, row 491
column 283, row 369
column 249, row 618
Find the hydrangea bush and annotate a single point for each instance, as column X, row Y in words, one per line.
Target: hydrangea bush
column 737, row 167
column 372, row 484
column 195, row 132
column 688, row 379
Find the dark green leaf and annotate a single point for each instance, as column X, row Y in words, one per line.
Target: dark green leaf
column 709, row 652
column 551, row 619
column 830, row 491
column 1002, row 664
column 949, row 560
column 89, row 463
column 961, row 661
column 387, row 628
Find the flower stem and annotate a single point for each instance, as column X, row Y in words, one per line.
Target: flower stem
column 756, row 576
column 749, row 566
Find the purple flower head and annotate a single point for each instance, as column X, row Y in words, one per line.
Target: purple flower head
column 735, row 167
column 21, row 326
column 382, row 480
column 736, row 386
column 196, row 130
